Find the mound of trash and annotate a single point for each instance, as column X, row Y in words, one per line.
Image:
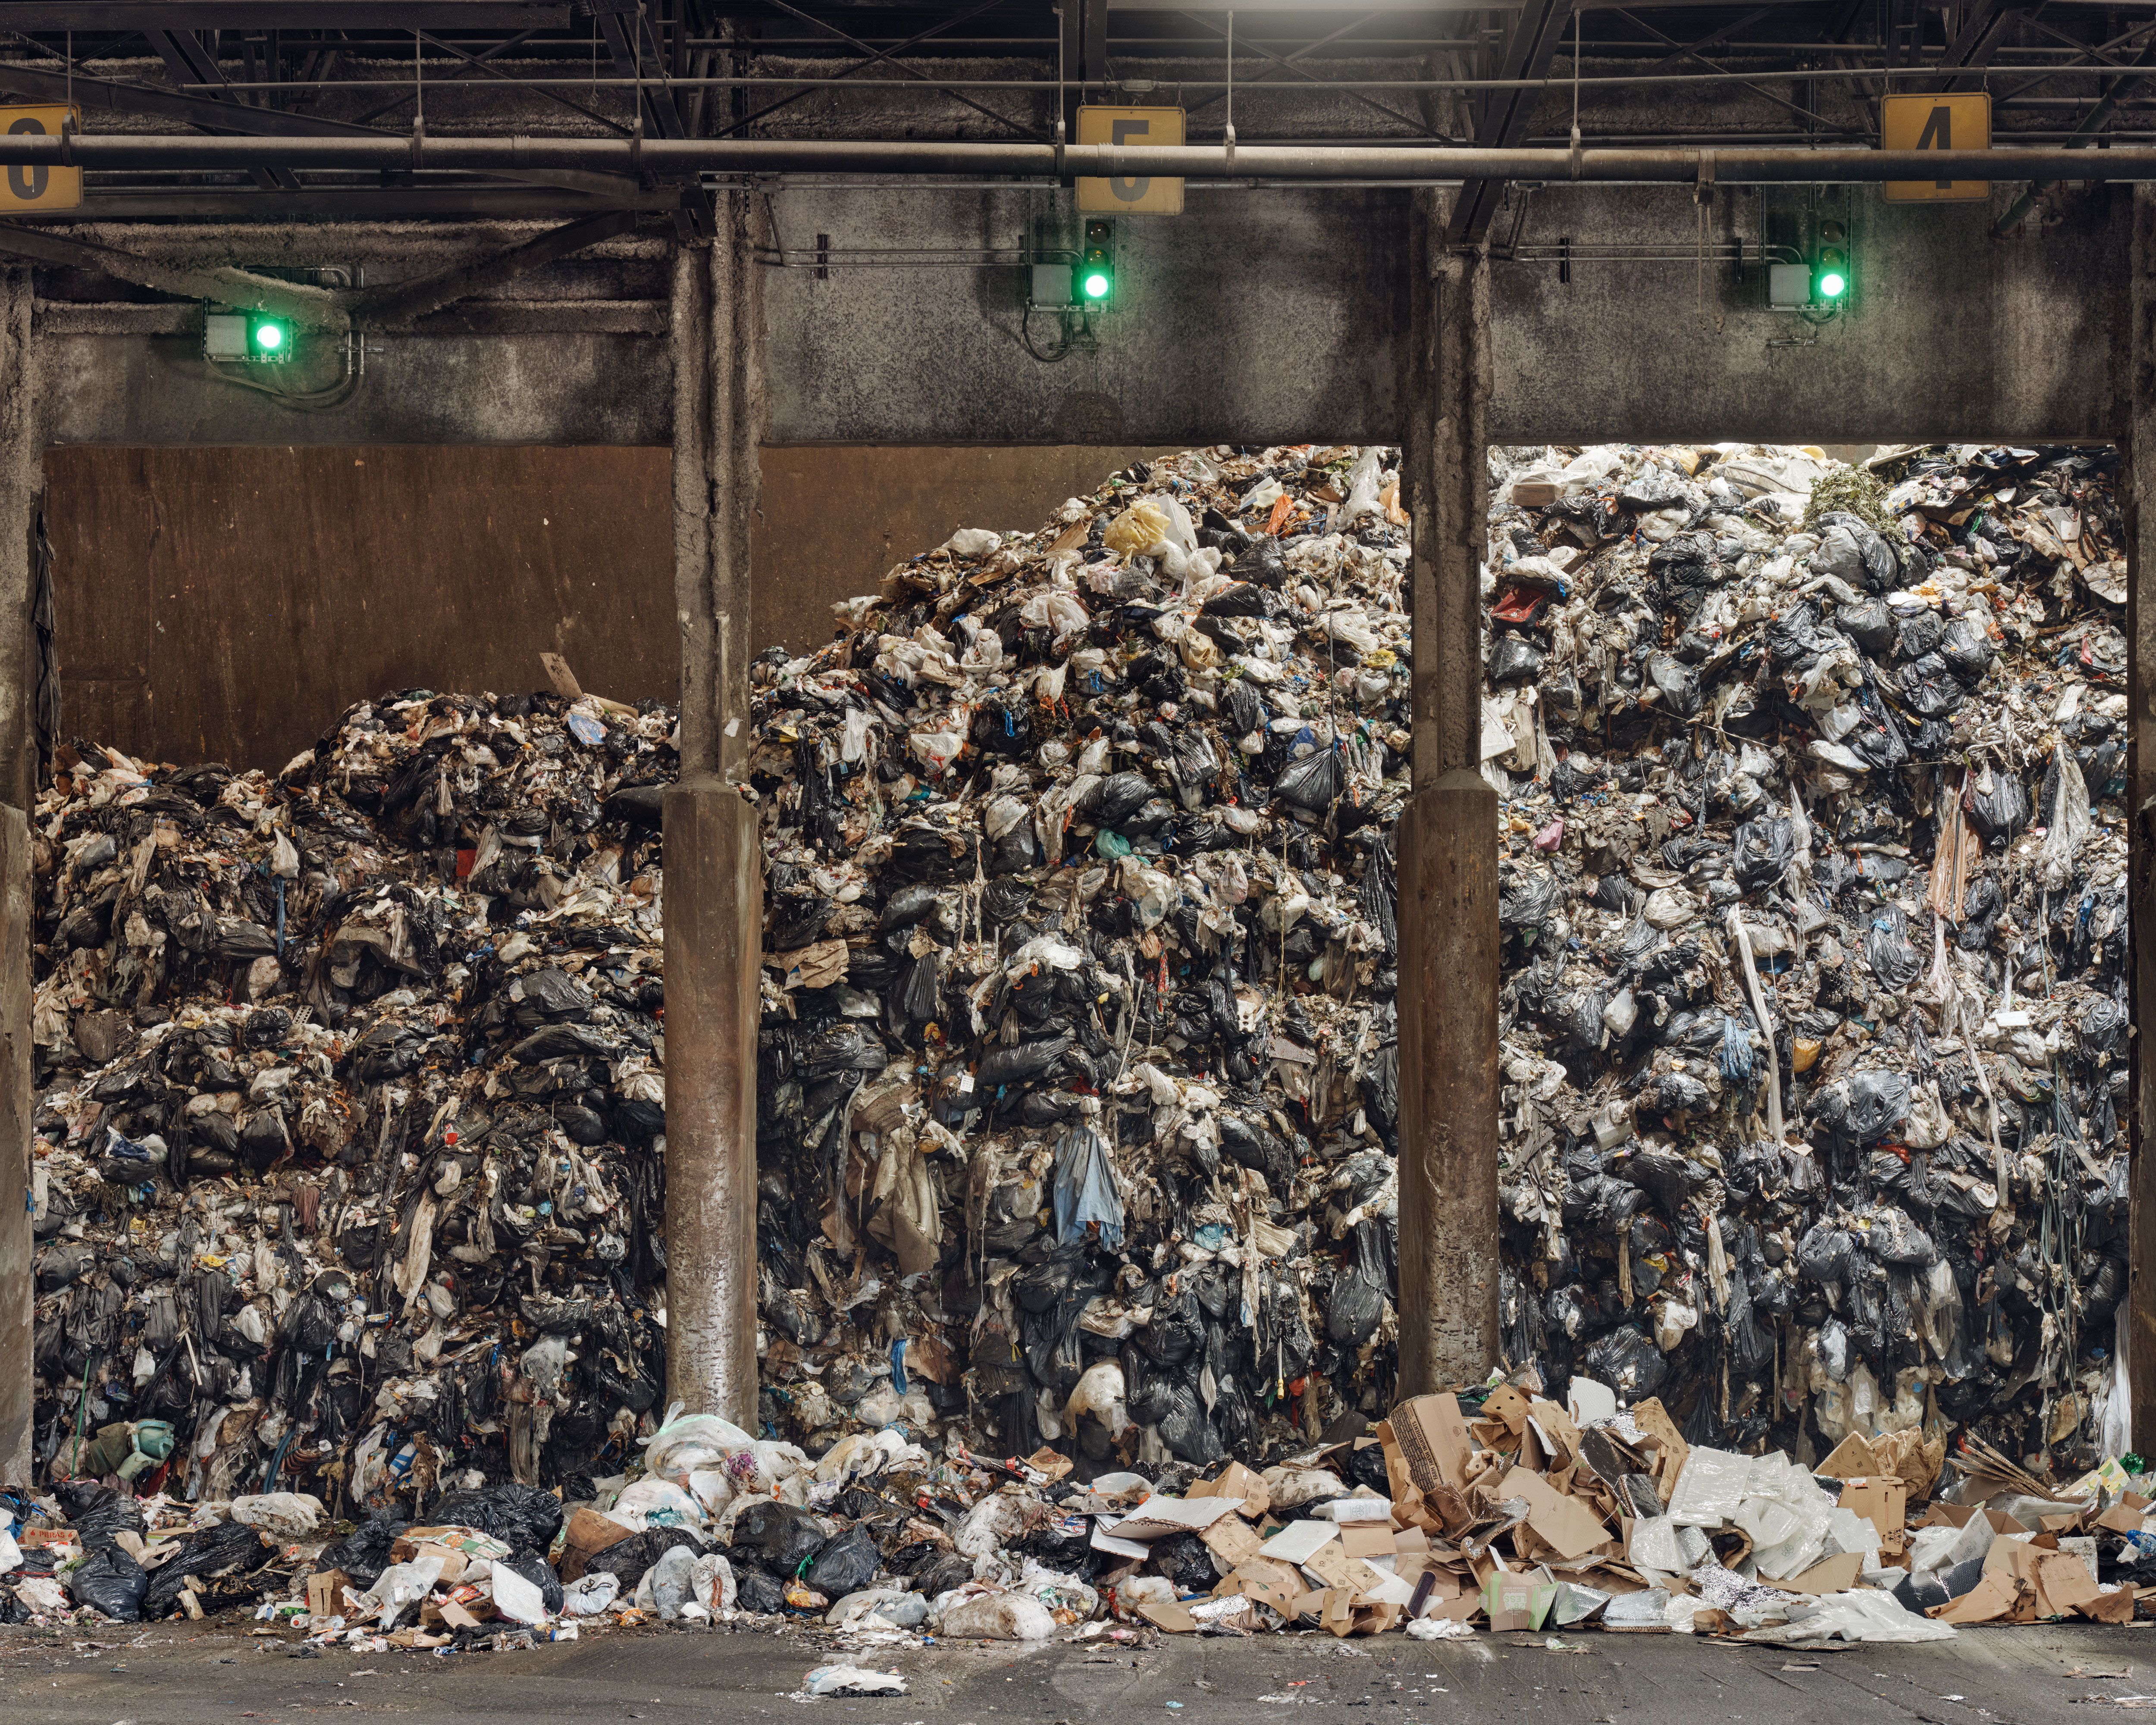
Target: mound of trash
column 1078, row 1062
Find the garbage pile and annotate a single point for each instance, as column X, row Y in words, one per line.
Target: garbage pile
column 1502, row 1509
column 347, row 1178
column 1815, row 1008
column 1078, row 1059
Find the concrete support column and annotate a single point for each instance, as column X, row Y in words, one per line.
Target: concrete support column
column 2136, row 1333
column 22, row 480
column 714, row 873
column 1448, row 844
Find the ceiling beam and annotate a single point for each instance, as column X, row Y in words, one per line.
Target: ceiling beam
column 1528, row 53
column 402, row 302
column 1962, row 65
column 186, row 60
column 317, row 308
column 99, row 16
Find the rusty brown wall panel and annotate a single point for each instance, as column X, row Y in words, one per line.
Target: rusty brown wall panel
column 227, row 604
column 836, row 517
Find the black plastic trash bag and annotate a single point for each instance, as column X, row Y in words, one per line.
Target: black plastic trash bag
column 1997, row 803
column 1313, row 784
column 1514, row 659
column 1764, row 851
column 1894, row 961
column 110, row 1581
column 1528, row 901
column 1627, row 1360
column 844, row 1564
column 1863, row 1106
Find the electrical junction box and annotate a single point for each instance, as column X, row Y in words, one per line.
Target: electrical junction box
column 224, row 336
column 1789, row 286
column 1051, row 284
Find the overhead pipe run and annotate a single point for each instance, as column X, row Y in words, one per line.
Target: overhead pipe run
column 680, row 157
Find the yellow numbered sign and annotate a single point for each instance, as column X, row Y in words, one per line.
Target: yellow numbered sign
column 1137, row 128
column 1935, row 122
column 25, row 185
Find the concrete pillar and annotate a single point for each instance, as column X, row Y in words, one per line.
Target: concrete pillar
column 2136, row 1333
column 1448, row 844
column 714, row 875
column 22, row 481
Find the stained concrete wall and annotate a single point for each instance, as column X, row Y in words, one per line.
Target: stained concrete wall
column 1950, row 335
column 1262, row 316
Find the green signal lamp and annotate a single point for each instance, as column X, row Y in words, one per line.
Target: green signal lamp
column 1094, row 277
column 268, row 339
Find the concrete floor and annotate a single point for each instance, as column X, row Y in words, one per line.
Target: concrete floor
column 160, row 1677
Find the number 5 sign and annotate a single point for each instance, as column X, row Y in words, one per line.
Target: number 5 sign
column 1156, row 127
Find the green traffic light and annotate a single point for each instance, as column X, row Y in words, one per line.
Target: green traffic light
column 269, row 335
column 1833, row 285
column 1097, row 284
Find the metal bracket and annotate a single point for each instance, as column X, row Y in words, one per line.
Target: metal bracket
column 636, row 143
column 419, row 138
column 1705, row 187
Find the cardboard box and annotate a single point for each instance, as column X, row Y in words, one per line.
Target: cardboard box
column 589, row 1533
column 1881, row 1500
column 1515, row 1601
column 326, row 1593
column 1431, row 1437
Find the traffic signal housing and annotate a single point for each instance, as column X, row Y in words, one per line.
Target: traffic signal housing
column 1093, row 278
column 1830, row 270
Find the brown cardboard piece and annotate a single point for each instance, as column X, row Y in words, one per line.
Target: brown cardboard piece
column 1671, row 1450
column 1852, row 1459
column 1835, row 1575
column 1432, row 1440
column 1174, row 1619
column 1237, row 1481
column 1565, row 1524
column 1368, row 1539
column 1882, row 1501
column 1233, row 1540
column 326, row 1592
column 589, row 1533
column 1556, row 1429
column 1332, row 1566
column 1270, row 1583
column 1989, row 1601
column 1508, row 1404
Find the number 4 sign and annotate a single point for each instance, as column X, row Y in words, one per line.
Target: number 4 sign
column 1935, row 122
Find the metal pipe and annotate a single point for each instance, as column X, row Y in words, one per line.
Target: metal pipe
column 931, row 80
column 679, row 157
